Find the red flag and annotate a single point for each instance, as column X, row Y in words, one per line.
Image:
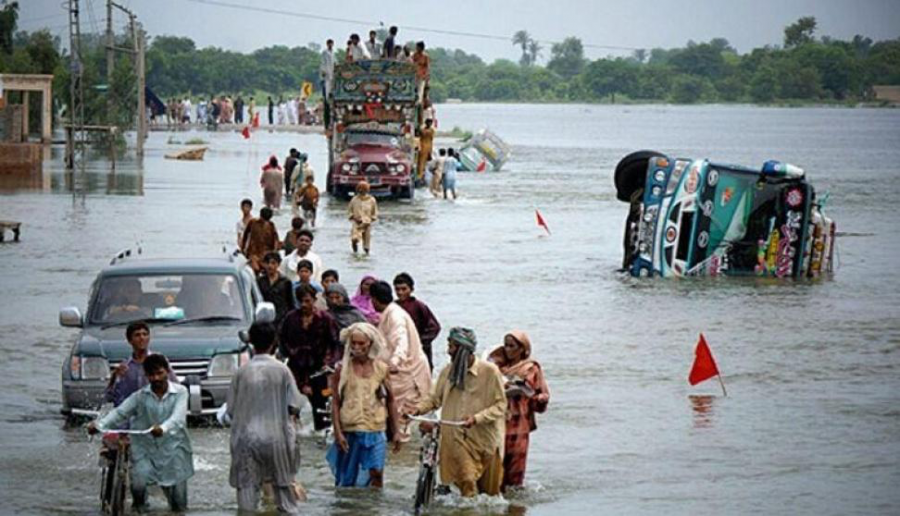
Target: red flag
column 246, row 132
column 541, row 222
column 256, row 120
column 704, row 365
column 481, row 166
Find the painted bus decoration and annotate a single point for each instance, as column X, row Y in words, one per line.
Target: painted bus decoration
column 698, row 218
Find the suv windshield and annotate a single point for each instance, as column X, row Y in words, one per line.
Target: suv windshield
column 169, row 296
column 379, row 139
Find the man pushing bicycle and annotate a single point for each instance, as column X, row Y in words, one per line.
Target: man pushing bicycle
column 469, row 390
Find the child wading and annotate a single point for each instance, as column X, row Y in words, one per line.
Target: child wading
column 308, row 199
column 363, row 210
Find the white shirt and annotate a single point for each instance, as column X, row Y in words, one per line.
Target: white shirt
column 326, row 68
column 373, row 49
column 359, row 53
column 289, row 266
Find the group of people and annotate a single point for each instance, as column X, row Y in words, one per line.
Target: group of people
column 293, row 111
column 225, row 110
column 297, row 179
column 372, row 354
column 389, row 48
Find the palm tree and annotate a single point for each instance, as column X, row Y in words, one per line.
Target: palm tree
column 522, row 38
column 534, row 51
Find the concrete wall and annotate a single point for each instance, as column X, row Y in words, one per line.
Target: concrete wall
column 887, row 93
column 20, row 160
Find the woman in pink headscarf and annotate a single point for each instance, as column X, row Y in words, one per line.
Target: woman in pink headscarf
column 272, row 183
column 363, row 301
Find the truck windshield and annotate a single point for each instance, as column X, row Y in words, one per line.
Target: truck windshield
column 375, row 139
column 170, row 296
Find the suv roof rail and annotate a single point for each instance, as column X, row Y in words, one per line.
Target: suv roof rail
column 125, row 253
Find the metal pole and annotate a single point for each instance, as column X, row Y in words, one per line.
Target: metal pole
column 75, row 136
column 110, row 63
column 139, row 43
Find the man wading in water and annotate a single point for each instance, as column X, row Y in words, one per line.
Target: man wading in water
column 164, row 455
column 469, row 390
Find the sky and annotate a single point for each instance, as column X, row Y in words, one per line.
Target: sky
column 605, row 27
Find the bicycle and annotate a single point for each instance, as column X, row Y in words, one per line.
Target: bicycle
column 429, row 458
column 115, row 464
column 325, row 412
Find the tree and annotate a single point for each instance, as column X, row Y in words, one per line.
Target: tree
column 799, row 32
column 702, row 59
column 606, row 77
column 522, row 38
column 534, row 51
column 639, row 55
column 9, row 16
column 764, row 84
column 688, row 89
column 567, row 58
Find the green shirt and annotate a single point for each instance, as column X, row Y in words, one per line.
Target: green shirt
column 165, row 460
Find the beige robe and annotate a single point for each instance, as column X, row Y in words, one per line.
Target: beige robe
column 412, row 382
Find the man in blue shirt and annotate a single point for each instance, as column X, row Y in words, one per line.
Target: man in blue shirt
column 163, row 455
column 129, row 375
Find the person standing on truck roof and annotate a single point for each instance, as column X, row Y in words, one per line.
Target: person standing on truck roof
column 372, row 46
column 426, row 144
column 388, row 50
column 359, row 51
column 326, row 69
column 363, row 211
column 423, row 69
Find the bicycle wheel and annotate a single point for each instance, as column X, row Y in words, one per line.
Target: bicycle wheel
column 120, row 486
column 424, row 488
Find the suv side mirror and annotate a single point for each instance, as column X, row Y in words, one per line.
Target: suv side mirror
column 244, row 336
column 265, row 313
column 70, row 316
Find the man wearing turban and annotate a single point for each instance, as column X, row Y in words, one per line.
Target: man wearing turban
column 469, row 390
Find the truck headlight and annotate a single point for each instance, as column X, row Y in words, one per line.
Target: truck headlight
column 345, row 167
column 400, row 168
column 225, row 364
column 89, row 368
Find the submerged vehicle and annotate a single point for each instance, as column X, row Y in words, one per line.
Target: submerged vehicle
column 699, row 218
column 372, row 114
column 483, row 152
column 195, row 309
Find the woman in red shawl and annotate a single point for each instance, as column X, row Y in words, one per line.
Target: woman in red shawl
column 528, row 393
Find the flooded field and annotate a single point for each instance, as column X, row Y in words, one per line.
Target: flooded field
column 811, row 424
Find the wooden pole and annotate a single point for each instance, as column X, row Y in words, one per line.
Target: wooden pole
column 110, row 63
column 142, row 81
column 724, row 392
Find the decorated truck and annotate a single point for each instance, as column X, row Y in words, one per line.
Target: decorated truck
column 372, row 116
column 698, row 218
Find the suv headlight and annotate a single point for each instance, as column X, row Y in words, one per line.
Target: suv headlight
column 89, row 368
column 225, row 364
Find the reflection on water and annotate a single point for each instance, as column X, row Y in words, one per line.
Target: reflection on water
column 702, row 406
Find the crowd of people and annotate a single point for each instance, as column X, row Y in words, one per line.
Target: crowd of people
column 372, row 353
column 293, row 110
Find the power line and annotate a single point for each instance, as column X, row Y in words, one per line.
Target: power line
column 370, row 23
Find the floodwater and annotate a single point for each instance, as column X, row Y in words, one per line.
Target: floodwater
column 811, row 423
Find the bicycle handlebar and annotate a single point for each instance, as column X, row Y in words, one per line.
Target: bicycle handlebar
column 444, row 422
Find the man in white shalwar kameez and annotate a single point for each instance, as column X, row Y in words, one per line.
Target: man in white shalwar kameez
column 262, row 403
column 409, row 372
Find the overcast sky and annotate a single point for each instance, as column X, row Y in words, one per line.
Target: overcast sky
column 629, row 24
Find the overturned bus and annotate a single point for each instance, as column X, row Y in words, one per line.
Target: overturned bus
column 698, row 218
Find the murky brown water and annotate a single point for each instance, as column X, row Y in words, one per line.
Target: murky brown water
column 811, row 424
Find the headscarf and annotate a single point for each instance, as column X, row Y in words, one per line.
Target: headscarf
column 364, row 303
column 498, row 356
column 346, row 314
column 272, row 164
column 375, row 349
column 466, row 342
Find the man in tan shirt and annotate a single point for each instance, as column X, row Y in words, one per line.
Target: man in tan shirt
column 470, row 390
column 363, row 211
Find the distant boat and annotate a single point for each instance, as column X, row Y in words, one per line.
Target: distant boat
column 484, row 152
column 189, row 154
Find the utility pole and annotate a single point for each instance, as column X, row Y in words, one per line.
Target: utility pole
column 110, row 64
column 139, row 42
column 75, row 131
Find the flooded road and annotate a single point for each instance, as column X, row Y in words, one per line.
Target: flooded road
column 811, row 424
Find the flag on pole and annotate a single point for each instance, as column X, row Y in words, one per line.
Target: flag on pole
column 541, row 222
column 704, row 366
column 246, row 132
column 481, row 166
